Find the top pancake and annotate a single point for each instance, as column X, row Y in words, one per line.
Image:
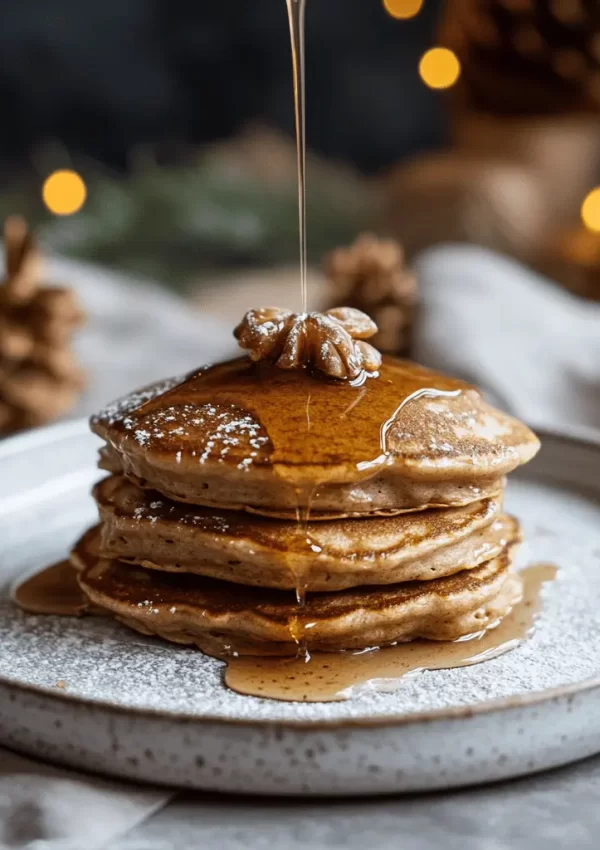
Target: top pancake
column 250, row 436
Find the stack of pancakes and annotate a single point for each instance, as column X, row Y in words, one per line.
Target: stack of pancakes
column 250, row 510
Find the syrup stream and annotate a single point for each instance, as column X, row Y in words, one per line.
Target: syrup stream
column 296, row 14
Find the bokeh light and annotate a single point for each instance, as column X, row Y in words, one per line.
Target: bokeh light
column 64, row 192
column 402, row 9
column 590, row 210
column 439, row 68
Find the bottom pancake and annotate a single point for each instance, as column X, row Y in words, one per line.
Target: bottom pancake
column 222, row 618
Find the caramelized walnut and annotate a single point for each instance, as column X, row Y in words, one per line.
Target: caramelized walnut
column 332, row 343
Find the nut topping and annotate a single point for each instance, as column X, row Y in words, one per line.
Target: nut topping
column 332, row 343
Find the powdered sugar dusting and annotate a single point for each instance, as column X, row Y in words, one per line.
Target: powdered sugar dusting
column 120, row 410
column 206, row 432
column 210, row 521
column 465, row 430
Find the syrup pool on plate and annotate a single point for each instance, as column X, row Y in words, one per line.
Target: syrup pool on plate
column 330, row 677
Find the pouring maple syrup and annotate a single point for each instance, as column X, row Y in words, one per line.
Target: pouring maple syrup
column 296, row 14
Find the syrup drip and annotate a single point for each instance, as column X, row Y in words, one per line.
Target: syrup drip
column 55, row 590
column 424, row 392
column 304, row 498
column 296, row 14
column 303, row 503
column 331, row 677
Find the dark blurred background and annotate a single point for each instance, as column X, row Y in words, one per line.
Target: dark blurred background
column 178, row 116
column 106, row 77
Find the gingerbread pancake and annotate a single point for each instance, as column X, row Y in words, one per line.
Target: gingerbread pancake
column 222, row 618
column 145, row 528
column 250, row 436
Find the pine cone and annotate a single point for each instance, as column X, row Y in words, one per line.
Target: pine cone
column 39, row 376
column 370, row 276
column 331, row 343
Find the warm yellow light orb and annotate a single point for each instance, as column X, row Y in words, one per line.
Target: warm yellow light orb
column 439, row 68
column 64, row 192
column 402, row 9
column 590, row 210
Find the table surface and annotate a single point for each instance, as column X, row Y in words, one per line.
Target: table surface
column 552, row 811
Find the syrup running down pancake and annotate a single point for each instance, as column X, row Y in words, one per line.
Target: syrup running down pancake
column 245, row 435
column 144, row 528
column 223, row 618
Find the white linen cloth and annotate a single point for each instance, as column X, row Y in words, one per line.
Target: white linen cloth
column 44, row 808
column 534, row 348
column 136, row 332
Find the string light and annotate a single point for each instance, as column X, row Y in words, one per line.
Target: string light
column 590, row 210
column 64, row 192
column 402, row 9
column 439, row 68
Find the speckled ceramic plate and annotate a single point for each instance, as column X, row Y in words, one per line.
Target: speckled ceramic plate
column 137, row 708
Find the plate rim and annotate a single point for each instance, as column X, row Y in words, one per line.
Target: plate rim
column 578, row 435
column 15, row 443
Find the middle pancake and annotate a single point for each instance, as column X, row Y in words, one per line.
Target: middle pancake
column 145, row 528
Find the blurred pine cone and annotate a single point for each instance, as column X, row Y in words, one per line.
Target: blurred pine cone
column 370, row 275
column 39, row 376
